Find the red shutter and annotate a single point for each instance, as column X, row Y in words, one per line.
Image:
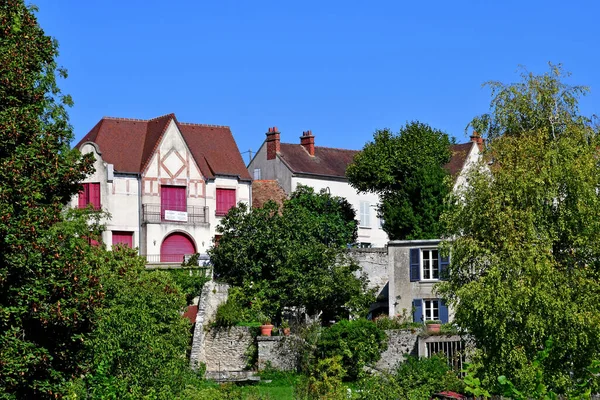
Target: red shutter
column 225, row 200
column 124, row 238
column 172, row 198
column 83, row 196
column 94, row 196
column 175, row 246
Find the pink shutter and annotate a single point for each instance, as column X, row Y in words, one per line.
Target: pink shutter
column 225, row 200
column 231, row 199
column 94, row 196
column 175, row 247
column 124, row 238
column 172, row 198
column 83, row 196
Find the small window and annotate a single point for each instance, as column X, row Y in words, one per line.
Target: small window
column 225, row 200
column 431, row 310
column 430, row 264
column 90, row 194
column 365, row 214
column 256, row 174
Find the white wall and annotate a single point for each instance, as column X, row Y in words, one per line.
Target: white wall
column 366, row 234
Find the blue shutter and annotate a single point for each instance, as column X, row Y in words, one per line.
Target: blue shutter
column 417, row 310
column 443, row 312
column 415, row 265
column 444, row 262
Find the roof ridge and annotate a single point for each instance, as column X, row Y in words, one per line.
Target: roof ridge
column 323, row 147
column 125, row 119
column 204, row 125
column 172, row 115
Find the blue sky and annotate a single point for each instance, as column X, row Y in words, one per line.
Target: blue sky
column 339, row 68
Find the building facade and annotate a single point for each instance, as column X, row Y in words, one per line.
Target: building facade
column 165, row 184
column 320, row 168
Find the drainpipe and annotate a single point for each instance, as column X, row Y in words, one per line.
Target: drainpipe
column 139, row 176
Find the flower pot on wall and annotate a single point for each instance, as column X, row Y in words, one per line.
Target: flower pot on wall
column 286, row 331
column 265, row 330
column 433, row 328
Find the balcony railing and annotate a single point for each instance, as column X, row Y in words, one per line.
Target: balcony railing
column 154, row 214
column 203, row 260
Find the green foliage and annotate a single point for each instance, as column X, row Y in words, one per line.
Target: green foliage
column 406, row 170
column 190, row 281
column 414, row 379
column 358, row 343
column 324, row 381
column 473, row 384
column 294, row 257
column 138, row 347
column 399, row 322
column 46, row 287
column 526, row 258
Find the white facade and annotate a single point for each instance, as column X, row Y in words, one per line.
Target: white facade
column 134, row 200
column 370, row 233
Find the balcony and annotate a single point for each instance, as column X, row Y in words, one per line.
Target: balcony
column 153, row 214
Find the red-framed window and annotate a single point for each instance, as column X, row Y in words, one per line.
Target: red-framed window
column 123, row 238
column 90, row 195
column 225, row 200
column 172, row 198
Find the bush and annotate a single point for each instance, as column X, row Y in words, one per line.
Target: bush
column 359, row 343
column 385, row 323
column 324, row 381
column 415, row 379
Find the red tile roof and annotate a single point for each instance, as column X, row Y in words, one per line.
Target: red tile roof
column 333, row 162
column 128, row 144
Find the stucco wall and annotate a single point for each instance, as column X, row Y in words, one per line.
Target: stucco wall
column 271, row 169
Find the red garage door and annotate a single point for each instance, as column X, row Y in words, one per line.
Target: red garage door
column 175, row 246
column 124, row 238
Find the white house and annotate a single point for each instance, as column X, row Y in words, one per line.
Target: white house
column 165, row 183
column 320, row 168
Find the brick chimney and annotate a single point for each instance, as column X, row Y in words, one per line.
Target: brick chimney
column 307, row 140
column 273, row 143
column 479, row 140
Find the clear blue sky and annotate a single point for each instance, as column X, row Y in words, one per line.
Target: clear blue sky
column 339, row 68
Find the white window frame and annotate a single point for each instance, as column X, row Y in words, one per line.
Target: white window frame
column 431, row 307
column 430, row 264
column 365, row 214
column 257, row 174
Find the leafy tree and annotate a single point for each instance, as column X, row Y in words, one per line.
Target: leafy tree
column 526, row 258
column 139, row 343
column 406, row 171
column 293, row 256
column 46, row 287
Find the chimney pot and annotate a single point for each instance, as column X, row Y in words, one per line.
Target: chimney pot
column 476, row 138
column 273, row 143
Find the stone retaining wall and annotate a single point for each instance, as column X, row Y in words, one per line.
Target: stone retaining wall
column 226, row 349
column 400, row 344
column 279, row 352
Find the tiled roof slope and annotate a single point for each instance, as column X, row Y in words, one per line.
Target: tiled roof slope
column 128, row 144
column 333, row 162
column 265, row 190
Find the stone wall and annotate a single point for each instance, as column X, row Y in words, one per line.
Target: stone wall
column 375, row 264
column 279, row 352
column 400, row 344
column 211, row 296
column 226, row 349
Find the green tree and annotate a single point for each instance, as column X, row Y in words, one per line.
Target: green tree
column 407, row 171
column 46, row 287
column 139, row 343
column 293, row 256
column 525, row 261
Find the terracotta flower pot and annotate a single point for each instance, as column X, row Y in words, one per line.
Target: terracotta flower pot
column 286, row 331
column 433, row 328
column 265, row 330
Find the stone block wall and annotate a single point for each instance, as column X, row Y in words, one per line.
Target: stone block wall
column 400, row 344
column 279, row 352
column 374, row 262
column 226, row 349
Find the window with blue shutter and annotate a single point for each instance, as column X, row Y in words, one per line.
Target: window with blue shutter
column 415, row 265
column 417, row 310
column 444, row 262
column 443, row 312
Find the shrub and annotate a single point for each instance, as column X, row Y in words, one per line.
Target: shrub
column 385, row 323
column 359, row 343
column 324, row 381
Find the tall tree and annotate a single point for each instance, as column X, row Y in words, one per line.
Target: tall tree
column 525, row 263
column 406, row 171
column 45, row 289
column 293, row 256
